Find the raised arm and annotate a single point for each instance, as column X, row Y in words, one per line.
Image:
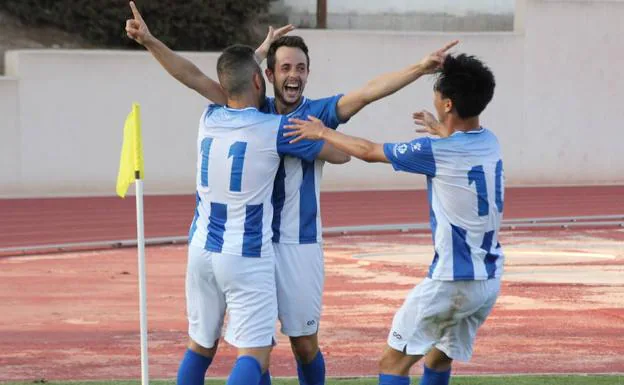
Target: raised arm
column 183, row 69
column 177, row 66
column 390, row 83
column 263, row 49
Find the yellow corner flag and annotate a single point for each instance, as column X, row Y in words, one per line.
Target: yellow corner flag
column 131, row 162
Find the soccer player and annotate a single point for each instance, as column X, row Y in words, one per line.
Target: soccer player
column 231, row 259
column 440, row 317
column 297, row 229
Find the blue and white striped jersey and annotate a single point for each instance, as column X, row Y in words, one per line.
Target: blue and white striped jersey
column 466, row 185
column 239, row 153
column 297, row 192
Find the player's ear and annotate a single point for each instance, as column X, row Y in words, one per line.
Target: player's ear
column 257, row 79
column 448, row 105
column 269, row 75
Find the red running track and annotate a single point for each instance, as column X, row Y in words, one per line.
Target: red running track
column 45, row 221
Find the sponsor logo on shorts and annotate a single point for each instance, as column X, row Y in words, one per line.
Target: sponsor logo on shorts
column 397, row 336
column 311, row 323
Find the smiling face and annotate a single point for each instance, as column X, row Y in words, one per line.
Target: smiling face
column 289, row 75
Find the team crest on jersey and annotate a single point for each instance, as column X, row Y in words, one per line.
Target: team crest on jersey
column 402, row 148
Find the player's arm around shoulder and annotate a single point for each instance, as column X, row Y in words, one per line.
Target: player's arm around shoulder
column 307, row 150
column 331, row 154
column 325, row 109
column 314, row 129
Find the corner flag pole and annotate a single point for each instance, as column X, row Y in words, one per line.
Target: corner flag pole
column 131, row 169
column 142, row 285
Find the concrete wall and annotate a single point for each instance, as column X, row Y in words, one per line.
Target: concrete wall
column 557, row 107
column 404, row 15
column 574, row 83
column 403, row 6
column 10, row 137
column 72, row 109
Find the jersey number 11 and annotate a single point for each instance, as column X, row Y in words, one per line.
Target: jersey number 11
column 237, row 153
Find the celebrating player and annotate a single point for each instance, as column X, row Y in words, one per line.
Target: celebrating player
column 297, row 230
column 231, row 259
column 440, row 317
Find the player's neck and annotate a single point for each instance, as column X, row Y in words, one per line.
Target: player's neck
column 285, row 109
column 243, row 102
column 464, row 125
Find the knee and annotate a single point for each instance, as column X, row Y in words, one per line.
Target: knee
column 438, row 360
column 389, row 364
column 265, row 361
column 206, row 352
column 396, row 363
column 305, row 347
column 261, row 355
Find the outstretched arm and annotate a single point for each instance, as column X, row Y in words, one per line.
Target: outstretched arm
column 314, row 129
column 415, row 156
column 177, row 66
column 390, row 83
column 332, row 155
column 183, row 69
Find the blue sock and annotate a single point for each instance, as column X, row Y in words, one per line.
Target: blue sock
column 312, row 373
column 193, row 368
column 246, row 371
column 390, row 379
column 300, row 374
column 431, row 377
column 266, row 378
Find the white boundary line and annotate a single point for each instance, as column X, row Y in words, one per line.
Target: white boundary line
column 594, row 221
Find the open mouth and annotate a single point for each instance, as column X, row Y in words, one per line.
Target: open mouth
column 291, row 90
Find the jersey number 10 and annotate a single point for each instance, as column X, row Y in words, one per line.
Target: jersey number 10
column 477, row 176
column 237, row 153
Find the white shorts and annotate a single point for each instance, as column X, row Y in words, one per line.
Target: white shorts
column 443, row 314
column 300, row 278
column 242, row 285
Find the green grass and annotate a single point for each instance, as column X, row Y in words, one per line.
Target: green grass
column 487, row 380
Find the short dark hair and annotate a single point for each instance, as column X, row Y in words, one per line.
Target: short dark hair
column 286, row 41
column 468, row 82
column 236, row 67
